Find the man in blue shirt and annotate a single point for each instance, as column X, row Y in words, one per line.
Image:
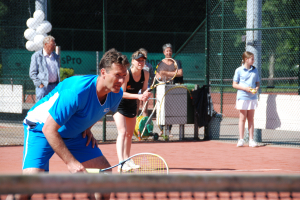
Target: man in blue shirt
column 61, row 122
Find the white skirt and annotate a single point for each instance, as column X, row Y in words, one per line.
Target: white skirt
column 246, row 104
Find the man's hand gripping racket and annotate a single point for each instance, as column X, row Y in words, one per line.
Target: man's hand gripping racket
column 165, row 72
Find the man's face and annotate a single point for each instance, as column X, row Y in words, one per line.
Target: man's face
column 168, row 52
column 114, row 78
column 50, row 46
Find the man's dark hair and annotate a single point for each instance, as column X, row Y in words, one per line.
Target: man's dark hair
column 110, row 57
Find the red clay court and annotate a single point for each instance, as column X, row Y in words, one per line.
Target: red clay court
column 186, row 157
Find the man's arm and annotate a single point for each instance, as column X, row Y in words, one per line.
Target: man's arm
column 50, row 131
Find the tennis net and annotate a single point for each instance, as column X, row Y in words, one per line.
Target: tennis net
column 174, row 186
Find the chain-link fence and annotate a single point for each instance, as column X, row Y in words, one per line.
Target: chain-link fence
column 78, row 30
column 270, row 28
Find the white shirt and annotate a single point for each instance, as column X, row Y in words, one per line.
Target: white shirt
column 51, row 66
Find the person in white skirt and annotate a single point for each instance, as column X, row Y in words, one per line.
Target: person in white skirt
column 246, row 80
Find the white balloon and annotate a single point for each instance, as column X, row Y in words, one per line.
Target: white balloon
column 39, row 15
column 38, row 41
column 29, row 34
column 44, row 27
column 32, row 23
column 30, row 46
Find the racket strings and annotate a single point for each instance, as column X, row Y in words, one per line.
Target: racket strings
column 148, row 164
column 164, row 68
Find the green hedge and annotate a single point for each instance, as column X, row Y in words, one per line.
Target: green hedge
column 65, row 73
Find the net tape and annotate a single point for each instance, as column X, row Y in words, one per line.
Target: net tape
column 104, row 183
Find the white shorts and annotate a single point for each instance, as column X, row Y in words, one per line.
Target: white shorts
column 246, row 104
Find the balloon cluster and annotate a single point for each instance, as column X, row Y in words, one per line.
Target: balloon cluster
column 37, row 30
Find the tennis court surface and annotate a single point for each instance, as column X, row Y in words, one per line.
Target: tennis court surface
column 198, row 170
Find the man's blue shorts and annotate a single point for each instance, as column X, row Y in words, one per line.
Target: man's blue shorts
column 37, row 151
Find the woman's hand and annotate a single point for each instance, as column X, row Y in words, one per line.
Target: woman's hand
column 147, row 94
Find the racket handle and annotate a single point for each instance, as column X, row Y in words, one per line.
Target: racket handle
column 93, row 170
column 149, row 90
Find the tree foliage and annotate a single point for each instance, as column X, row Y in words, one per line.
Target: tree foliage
column 283, row 43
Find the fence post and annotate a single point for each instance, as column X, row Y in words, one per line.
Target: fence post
column 57, row 51
column 253, row 41
column 41, row 5
column 221, row 58
column 207, row 41
column 104, row 49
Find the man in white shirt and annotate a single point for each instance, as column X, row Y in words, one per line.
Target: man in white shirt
column 44, row 68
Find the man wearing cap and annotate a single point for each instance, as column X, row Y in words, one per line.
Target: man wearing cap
column 125, row 117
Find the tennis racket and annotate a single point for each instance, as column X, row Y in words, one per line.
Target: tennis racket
column 145, row 163
column 165, row 72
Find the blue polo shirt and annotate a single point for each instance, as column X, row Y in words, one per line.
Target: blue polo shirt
column 248, row 78
column 74, row 105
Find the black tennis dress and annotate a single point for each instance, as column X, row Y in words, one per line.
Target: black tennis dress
column 128, row 107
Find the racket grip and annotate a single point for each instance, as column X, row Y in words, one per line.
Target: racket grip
column 93, row 170
column 149, row 90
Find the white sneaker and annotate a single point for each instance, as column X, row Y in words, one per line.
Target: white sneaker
column 252, row 143
column 240, row 143
column 132, row 164
column 125, row 168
